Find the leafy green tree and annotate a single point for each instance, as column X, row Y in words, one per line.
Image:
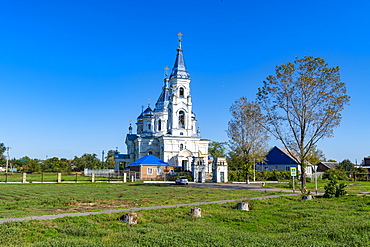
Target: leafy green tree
column 247, row 137
column 302, row 104
column 217, row 149
column 346, row 165
column 56, row 165
column 109, row 159
column 2, row 151
column 315, row 156
column 26, row 164
column 86, row 161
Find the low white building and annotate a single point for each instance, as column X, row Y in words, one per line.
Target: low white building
column 220, row 169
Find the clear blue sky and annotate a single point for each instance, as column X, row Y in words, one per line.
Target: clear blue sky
column 74, row 73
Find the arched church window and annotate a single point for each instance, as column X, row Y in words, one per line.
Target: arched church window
column 182, row 92
column 181, row 146
column 159, row 125
column 149, row 126
column 150, row 152
column 181, row 119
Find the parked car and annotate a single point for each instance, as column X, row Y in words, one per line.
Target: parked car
column 182, row 180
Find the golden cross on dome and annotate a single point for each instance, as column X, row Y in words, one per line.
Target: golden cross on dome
column 180, row 35
column 148, row 102
column 166, row 70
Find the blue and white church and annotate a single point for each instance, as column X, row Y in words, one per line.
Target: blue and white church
column 169, row 131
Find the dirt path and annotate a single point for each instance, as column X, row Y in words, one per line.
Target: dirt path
column 56, row 216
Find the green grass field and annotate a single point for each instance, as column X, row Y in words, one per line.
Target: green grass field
column 352, row 187
column 286, row 221
column 19, row 200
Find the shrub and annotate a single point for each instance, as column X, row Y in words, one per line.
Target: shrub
column 273, row 175
column 334, row 189
column 361, row 174
column 335, row 173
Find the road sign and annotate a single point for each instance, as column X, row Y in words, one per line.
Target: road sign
column 293, row 171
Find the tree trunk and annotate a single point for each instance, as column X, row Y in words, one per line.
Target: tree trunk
column 303, row 177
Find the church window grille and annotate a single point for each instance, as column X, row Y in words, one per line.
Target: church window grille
column 182, row 92
column 181, row 119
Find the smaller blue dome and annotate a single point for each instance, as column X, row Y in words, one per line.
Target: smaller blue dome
column 148, row 112
column 140, row 118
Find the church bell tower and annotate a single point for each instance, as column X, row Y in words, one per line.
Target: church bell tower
column 182, row 120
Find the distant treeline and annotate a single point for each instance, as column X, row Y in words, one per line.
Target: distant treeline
column 54, row 164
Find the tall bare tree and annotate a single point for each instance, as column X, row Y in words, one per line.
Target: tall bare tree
column 248, row 138
column 302, row 104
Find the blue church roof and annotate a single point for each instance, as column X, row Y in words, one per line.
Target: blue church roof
column 150, row 160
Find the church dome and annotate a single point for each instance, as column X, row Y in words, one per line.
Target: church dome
column 140, row 118
column 148, row 112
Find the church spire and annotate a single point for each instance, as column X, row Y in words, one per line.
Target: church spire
column 179, row 69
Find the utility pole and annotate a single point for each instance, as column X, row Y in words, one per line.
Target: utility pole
column 102, row 158
column 254, row 170
column 7, row 159
column 315, row 167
